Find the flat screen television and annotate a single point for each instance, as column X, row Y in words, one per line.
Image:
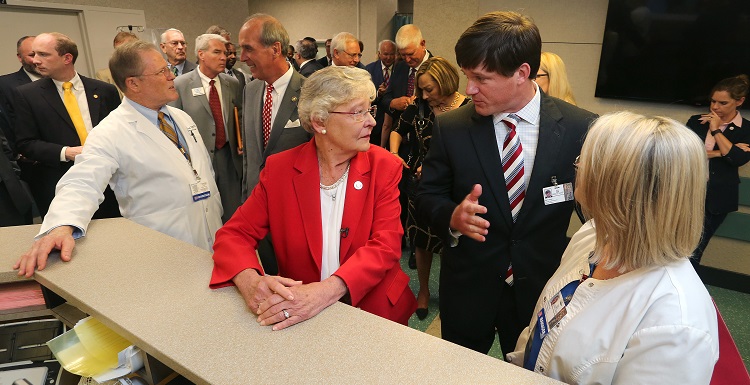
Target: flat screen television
column 672, row 51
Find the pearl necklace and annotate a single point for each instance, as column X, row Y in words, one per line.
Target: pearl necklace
column 335, row 184
column 448, row 108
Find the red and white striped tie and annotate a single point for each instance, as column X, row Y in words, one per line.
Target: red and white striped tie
column 512, row 160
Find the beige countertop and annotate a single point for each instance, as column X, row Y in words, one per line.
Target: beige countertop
column 153, row 290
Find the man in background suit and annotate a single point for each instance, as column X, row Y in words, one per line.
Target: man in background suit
column 380, row 70
column 271, row 121
column 230, row 70
column 210, row 97
column 51, row 131
column 503, row 241
column 174, row 46
column 103, row 74
column 25, row 75
column 345, row 50
column 306, row 50
column 325, row 61
column 15, row 201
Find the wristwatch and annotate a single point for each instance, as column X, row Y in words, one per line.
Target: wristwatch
column 714, row 132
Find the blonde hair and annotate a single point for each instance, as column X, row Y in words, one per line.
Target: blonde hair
column 442, row 71
column 643, row 182
column 559, row 86
column 329, row 88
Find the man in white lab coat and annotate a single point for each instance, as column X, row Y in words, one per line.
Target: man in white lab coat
column 150, row 154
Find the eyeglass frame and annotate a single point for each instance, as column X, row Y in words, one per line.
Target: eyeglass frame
column 354, row 55
column 164, row 71
column 175, row 43
column 359, row 116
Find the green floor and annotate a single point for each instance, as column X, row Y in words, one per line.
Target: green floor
column 733, row 306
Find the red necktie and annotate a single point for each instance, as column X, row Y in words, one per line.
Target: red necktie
column 267, row 107
column 410, row 84
column 386, row 76
column 215, row 104
column 512, row 160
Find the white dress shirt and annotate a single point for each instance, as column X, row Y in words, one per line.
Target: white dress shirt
column 279, row 88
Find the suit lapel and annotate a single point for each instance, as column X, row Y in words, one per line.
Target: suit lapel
column 483, row 136
column 308, row 198
column 195, row 82
column 359, row 173
column 551, row 135
column 92, row 99
column 228, row 97
column 286, row 108
column 50, row 94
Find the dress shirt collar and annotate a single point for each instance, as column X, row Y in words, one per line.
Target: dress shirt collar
column 529, row 112
column 305, row 62
column 205, row 78
column 77, row 83
column 180, row 67
column 737, row 121
column 281, row 83
column 31, row 76
column 151, row 115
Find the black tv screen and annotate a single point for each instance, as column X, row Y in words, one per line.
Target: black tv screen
column 672, row 51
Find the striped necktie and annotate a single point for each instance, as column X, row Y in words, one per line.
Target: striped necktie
column 512, row 159
column 169, row 131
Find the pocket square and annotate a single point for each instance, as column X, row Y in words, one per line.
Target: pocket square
column 291, row 124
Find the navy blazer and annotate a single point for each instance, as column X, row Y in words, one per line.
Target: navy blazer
column 8, row 83
column 464, row 152
column 723, row 193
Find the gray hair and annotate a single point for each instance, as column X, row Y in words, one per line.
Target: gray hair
column 218, row 30
column 384, row 42
column 306, row 49
column 20, row 41
column 329, row 88
column 271, row 31
column 408, row 35
column 126, row 61
column 201, row 42
column 340, row 39
column 164, row 35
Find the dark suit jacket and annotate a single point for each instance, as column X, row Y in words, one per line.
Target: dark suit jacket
column 237, row 74
column 464, row 152
column 323, row 61
column 7, row 84
column 376, row 72
column 286, row 131
column 724, row 181
column 287, row 203
column 43, row 127
column 15, row 202
column 310, row 68
column 189, row 66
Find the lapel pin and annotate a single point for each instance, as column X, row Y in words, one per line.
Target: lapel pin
column 294, row 99
column 731, row 127
column 358, row 185
column 96, row 96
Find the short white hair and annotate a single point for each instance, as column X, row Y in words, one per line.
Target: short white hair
column 164, row 35
column 340, row 39
column 408, row 35
column 202, row 41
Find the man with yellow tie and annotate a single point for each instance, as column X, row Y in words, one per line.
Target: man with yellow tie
column 55, row 115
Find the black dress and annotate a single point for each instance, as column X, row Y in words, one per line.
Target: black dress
column 417, row 129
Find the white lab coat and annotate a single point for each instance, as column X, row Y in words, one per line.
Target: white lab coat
column 654, row 325
column 148, row 174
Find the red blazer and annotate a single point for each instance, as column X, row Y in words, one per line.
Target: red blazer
column 286, row 203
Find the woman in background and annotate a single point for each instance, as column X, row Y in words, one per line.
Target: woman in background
column 626, row 306
column 553, row 78
column 726, row 135
column 436, row 92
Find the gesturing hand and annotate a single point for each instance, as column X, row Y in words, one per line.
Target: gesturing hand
column 465, row 220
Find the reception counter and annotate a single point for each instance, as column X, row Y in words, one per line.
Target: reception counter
column 153, row 290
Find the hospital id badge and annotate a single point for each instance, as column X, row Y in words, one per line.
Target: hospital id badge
column 555, row 310
column 200, row 191
column 557, row 193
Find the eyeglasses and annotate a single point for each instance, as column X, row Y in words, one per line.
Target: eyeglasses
column 164, row 72
column 542, row 75
column 359, row 116
column 176, row 43
column 353, row 55
column 575, row 163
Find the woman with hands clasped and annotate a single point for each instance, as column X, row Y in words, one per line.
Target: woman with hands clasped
column 332, row 208
column 726, row 135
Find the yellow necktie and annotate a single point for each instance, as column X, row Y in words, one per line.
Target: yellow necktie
column 167, row 129
column 71, row 104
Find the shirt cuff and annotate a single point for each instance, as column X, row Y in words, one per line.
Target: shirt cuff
column 77, row 232
column 455, row 234
column 62, row 154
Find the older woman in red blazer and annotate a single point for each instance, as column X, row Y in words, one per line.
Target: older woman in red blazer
column 332, row 208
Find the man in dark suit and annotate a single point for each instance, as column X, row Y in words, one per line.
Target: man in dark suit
column 15, row 202
column 55, row 114
column 174, row 47
column 503, row 241
column 26, row 74
column 325, row 61
column 230, row 70
column 210, row 97
column 380, row 70
column 271, row 121
column 306, row 50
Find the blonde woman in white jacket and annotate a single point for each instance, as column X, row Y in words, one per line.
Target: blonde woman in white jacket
column 625, row 306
